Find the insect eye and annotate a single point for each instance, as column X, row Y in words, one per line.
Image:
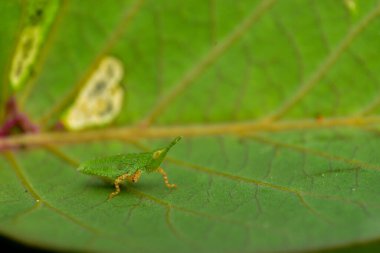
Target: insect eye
column 157, row 154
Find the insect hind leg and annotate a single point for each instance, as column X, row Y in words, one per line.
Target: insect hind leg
column 132, row 178
column 118, row 181
column 135, row 176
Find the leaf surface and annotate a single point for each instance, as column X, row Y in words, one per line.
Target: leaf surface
column 277, row 102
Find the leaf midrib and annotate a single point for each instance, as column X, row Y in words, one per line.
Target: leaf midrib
column 234, row 129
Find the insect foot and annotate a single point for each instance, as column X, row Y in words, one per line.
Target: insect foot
column 113, row 194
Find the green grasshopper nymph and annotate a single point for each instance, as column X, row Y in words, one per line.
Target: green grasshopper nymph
column 128, row 167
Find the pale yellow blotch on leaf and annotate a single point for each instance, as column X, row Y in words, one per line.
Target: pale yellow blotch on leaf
column 101, row 98
column 25, row 55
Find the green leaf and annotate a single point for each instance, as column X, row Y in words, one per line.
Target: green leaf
column 277, row 103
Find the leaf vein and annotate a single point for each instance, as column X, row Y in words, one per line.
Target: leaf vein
column 133, row 133
column 25, row 182
column 320, row 72
column 118, row 31
column 361, row 164
column 206, row 62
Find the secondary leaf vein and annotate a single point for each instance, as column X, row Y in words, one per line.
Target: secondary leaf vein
column 207, row 61
column 321, row 71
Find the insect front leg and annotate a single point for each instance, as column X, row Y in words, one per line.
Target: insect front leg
column 165, row 176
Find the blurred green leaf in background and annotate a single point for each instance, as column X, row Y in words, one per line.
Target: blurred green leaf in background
column 277, row 103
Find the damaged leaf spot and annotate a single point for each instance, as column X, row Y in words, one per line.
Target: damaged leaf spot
column 101, row 98
column 40, row 17
column 25, row 55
